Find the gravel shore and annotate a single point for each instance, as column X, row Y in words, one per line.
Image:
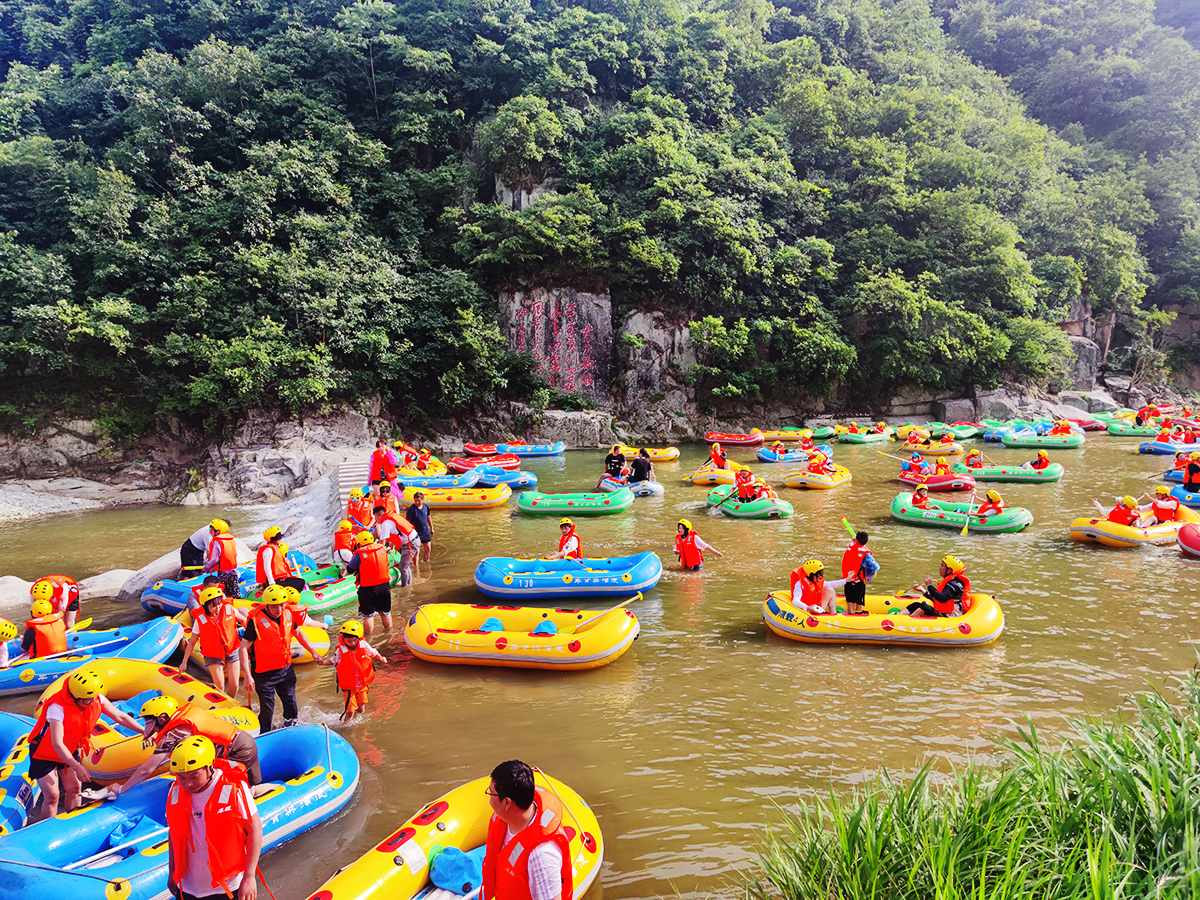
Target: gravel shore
column 47, row 496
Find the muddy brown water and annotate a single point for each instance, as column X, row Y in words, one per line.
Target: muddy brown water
column 690, row 745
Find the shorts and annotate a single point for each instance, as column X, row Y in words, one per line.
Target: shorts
column 356, row 700
column 243, row 749
column 856, row 592
column 695, row 568
column 40, row 768
column 375, row 599
column 73, row 606
column 210, row 661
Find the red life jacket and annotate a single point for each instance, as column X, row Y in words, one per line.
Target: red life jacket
column 402, row 525
column 852, row 561
column 373, row 567
column 227, row 560
column 49, row 634
column 577, row 553
column 389, row 504
column 806, row 444
column 227, row 822
column 812, row 593
column 360, row 511
column 506, row 866
column 974, row 462
column 78, row 722
column 382, row 467
column 423, row 459
column 853, row 429
column 356, row 668
column 941, row 469
column 919, row 503
column 1165, row 510
column 745, row 485
column 217, row 635
column 718, row 458
column 689, row 554
column 1163, row 437
column 987, row 508
column 280, row 567
column 1040, row 463
column 273, row 641
column 1123, row 515
column 946, row 607
column 343, row 540
column 66, row 590
column 201, row 722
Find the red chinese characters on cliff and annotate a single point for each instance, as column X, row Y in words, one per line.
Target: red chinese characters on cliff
column 569, row 336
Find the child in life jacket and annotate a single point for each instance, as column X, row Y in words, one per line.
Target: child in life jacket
column 744, row 480
column 354, row 660
column 943, row 466
column 920, row 498
column 974, row 459
column 992, row 505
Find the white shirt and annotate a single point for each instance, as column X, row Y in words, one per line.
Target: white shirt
column 200, row 538
column 545, row 869
column 571, row 546
column 55, row 713
column 197, row 879
column 269, row 562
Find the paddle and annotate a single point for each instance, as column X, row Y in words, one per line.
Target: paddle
column 968, row 522
column 81, row 625
column 890, row 456
column 637, row 596
column 84, row 651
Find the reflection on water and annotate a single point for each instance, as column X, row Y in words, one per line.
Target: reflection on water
column 689, row 744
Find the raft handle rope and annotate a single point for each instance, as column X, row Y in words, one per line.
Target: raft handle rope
column 963, row 619
column 100, row 878
column 70, row 867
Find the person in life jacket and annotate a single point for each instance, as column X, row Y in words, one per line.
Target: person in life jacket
column 60, row 590
column 717, row 456
column 528, row 854
column 221, row 559
column 396, row 532
column 920, row 498
column 214, row 834
column 373, row 575
column 777, row 447
column 271, row 564
column 167, row 725
column 943, row 466
column 266, row 649
column 1126, row 511
column 689, row 547
column 951, row 596
column 354, row 660
column 1189, row 435
column 424, row 458
column 1163, row 436
column 61, row 735
column 387, row 500
column 215, row 629
column 1041, row 462
column 358, row 509
column 744, row 485
column 569, row 544
column 382, row 467
column 1191, row 473
column 1163, row 506
column 974, row 459
column 343, row 543
column 45, row 632
column 880, row 428
column 1145, row 414
column 818, row 463
column 915, row 464
column 763, row 491
column 8, row 631
column 992, row 505
column 1062, row 426
column 406, row 456
column 913, row 439
column 810, row 590
column 852, row 428
column 806, row 443
column 858, row 567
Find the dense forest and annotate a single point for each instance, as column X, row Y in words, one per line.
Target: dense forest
column 211, row 205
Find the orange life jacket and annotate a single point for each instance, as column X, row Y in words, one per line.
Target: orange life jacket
column 49, row 634
column 227, row 822
column 941, row 469
column 577, row 553
column 403, row 526
column 1163, row 437
column 1165, row 510
column 227, row 561
column 356, row 668
column 506, row 866
column 812, row 593
column 921, row 502
column 974, row 462
column 853, row 429
column 373, row 566
column 689, row 554
column 423, row 459
column 806, row 444
column 852, row 561
column 360, row 511
column 946, row 607
column 217, row 635
column 987, row 508
column 201, row 722
column 280, row 567
column 1041, row 462
column 1123, row 515
column 66, row 590
column 343, row 540
column 382, row 467
column 390, row 506
column 273, row 641
column 78, row 722
column 718, row 458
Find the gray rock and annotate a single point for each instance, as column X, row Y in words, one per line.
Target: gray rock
column 1086, row 363
column 1075, row 400
column 1101, row 401
column 165, row 568
column 998, row 404
column 962, row 410
column 107, row 584
column 656, row 354
column 568, row 333
column 14, row 593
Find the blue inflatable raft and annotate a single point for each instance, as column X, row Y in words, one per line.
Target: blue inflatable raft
column 467, row 479
column 1166, row 448
column 638, row 488
column 170, row 597
column 556, row 449
column 494, row 476
column 767, row 455
column 1186, row 497
column 118, row 850
column 506, row 578
column 153, row 641
column 16, row 790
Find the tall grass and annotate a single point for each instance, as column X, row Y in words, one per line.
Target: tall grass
column 1115, row 813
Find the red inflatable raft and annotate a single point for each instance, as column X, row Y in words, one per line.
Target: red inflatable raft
column 951, row 482
column 1188, row 539
column 506, row 461
column 742, row 440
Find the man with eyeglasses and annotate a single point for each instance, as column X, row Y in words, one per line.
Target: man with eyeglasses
column 528, row 855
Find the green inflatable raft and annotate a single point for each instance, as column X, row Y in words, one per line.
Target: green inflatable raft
column 1043, row 441
column 1128, row 429
column 960, row 432
column 602, row 504
column 1016, row 474
column 766, row 508
column 954, row 515
column 863, row 437
column 326, row 588
column 820, row 434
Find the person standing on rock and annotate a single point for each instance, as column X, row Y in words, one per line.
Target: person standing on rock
column 221, row 559
column 418, row 516
column 192, row 553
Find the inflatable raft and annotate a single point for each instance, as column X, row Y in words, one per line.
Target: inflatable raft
column 912, row 428
column 936, row 448
column 767, row 455
column 764, row 508
column 1128, row 429
column 506, row 578
column 465, row 479
column 459, row 498
column 982, row 623
column 398, row 867
column 16, row 787
column 739, row 440
column 493, row 476
column 954, row 515
column 864, row 437
column 130, row 683
column 710, row 474
column 153, row 641
column 820, row 482
column 1043, row 441
column 326, row 589
column 600, row 504
column 1110, row 534
column 1175, row 475
column 656, row 454
column 1015, row 474
column 506, row 461
column 519, row 637
column 1188, row 539
column 956, row 481
column 117, row 850
column 318, row 637
column 533, row 450
column 1166, row 448
column 823, row 433
column 637, row 488
column 169, row 597
column 782, row 434
column 1186, row 497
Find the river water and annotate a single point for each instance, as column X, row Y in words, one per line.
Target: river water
column 690, row 745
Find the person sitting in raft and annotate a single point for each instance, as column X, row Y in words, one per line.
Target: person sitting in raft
column 62, row 734
column 880, row 428
column 358, row 509
column 913, row 439
column 920, row 498
column 1163, row 507
column 974, row 459
column 527, row 851
column 689, row 547
column 1191, row 473
column 614, row 463
column 569, row 545
column 819, row 464
column 948, row 438
column 424, row 458
column 45, row 632
column 915, row 464
column 641, row 468
column 949, row 597
column 806, row 444
column 8, row 631
column 1163, row 436
column 1126, row 511
column 777, row 447
column 1189, row 435
column 852, row 428
column 992, row 505
column 1181, row 460
column 810, row 590
column 718, row 456
column 943, row 466
column 1062, row 426
column 355, row 662
column 272, row 566
column 763, row 491
column 1041, row 462
column 744, row 481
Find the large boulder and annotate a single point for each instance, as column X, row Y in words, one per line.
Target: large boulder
column 106, row 584
column 1100, row 401
column 1074, row 399
column 1086, row 363
column 998, row 404
column 165, row 568
column 14, row 594
column 962, row 410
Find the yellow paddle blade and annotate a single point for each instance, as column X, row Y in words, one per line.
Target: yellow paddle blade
column 81, row 625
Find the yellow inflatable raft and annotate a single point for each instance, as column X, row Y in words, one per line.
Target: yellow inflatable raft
column 769, row 436
column 115, row 755
column 982, row 624
column 657, row 454
column 905, row 430
column 1110, row 534
column 398, row 868
column 318, row 637
column 823, row 482
column 937, row 448
column 710, row 474
column 459, row 498
column 576, row 639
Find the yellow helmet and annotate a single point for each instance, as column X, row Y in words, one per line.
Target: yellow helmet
column 942, row 460
column 1195, row 455
column 39, row 608
column 1043, row 454
column 364, row 538
column 274, row 595
column 219, row 525
column 159, row 706
column 345, row 525
column 292, row 595
column 686, row 524
column 271, row 533
column 954, row 564
column 195, row 752
column 283, row 548
column 42, row 590
column 85, row 683
column 565, row 522
column 8, row 631
column 1162, row 489
column 352, row 627
column 883, row 424
column 994, row 496
column 210, row 593
column 1129, row 500
column 716, row 445
column 921, row 489
column 356, row 493
column 812, row 567
column 972, row 453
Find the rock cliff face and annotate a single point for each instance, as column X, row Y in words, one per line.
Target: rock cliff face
column 567, row 332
